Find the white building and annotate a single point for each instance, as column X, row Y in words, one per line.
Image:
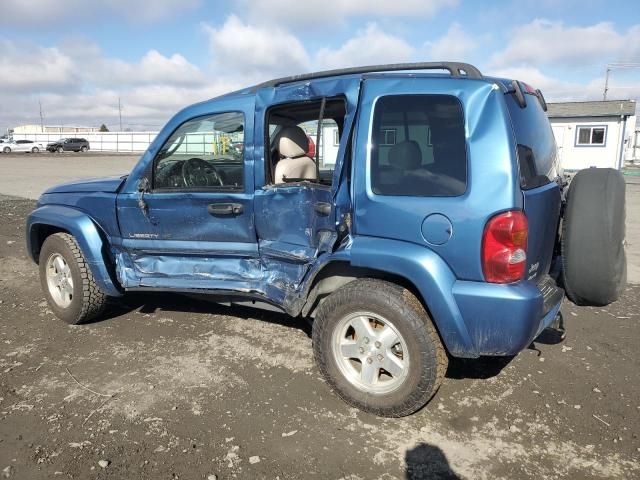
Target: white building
column 329, row 143
column 31, row 129
column 593, row 134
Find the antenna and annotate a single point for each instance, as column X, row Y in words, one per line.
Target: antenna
column 610, row 67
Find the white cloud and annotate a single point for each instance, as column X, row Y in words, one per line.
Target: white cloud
column 27, row 68
column 153, row 68
column 253, row 51
column 557, row 89
column 76, row 83
column 454, row 45
column 310, row 12
column 370, row 46
column 42, row 13
column 544, row 42
column 147, row 107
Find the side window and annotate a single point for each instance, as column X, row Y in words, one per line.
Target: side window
column 418, row 146
column 205, row 153
column 299, row 135
column 591, row 136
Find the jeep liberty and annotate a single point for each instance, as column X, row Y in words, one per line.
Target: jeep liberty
column 432, row 220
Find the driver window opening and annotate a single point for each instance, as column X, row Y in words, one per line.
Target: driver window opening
column 303, row 141
column 203, row 153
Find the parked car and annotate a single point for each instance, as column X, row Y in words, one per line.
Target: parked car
column 445, row 228
column 21, row 146
column 69, row 145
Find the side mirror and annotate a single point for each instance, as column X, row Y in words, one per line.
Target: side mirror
column 143, row 185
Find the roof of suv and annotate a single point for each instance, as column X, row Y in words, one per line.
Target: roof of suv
column 455, row 69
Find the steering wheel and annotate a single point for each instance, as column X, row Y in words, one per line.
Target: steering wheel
column 196, row 172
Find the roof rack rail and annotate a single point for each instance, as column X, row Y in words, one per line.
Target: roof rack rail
column 457, row 70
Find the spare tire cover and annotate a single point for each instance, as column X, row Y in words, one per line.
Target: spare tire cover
column 593, row 231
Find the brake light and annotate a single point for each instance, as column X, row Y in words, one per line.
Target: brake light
column 529, row 89
column 504, row 247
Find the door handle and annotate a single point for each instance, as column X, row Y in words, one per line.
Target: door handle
column 225, row 209
column 322, row 208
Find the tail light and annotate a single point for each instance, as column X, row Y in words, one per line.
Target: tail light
column 504, row 247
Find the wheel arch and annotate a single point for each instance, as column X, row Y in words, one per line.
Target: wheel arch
column 93, row 241
column 416, row 268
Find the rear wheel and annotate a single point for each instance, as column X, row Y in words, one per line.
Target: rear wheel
column 377, row 347
column 84, row 149
column 35, row 150
column 67, row 281
column 593, row 231
column 60, row 149
column 6, row 150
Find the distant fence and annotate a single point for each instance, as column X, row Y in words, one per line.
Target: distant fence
column 99, row 141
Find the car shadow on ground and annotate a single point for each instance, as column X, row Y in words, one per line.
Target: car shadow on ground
column 476, row 368
column 162, row 302
column 149, row 303
column 428, row 462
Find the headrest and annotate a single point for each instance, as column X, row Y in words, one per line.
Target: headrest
column 292, row 142
column 406, row 155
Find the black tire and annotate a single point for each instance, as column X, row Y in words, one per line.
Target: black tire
column 428, row 363
column 593, row 231
column 84, row 149
column 35, row 150
column 6, row 150
column 60, row 149
column 88, row 301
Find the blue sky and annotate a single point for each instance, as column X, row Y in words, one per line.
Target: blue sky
column 78, row 57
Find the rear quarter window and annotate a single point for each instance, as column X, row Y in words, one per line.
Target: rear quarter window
column 418, row 146
column 536, row 146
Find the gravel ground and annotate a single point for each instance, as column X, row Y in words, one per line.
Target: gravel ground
column 172, row 387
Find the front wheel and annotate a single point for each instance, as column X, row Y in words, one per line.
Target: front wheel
column 35, row 150
column 377, row 347
column 6, row 150
column 67, row 281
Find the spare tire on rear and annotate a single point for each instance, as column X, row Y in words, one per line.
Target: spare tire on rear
column 593, row 231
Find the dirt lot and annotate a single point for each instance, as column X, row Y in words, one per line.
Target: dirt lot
column 29, row 174
column 171, row 387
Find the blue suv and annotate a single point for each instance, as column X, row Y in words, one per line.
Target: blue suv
column 414, row 212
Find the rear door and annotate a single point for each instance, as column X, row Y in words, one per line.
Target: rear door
column 295, row 222
column 24, row 145
column 539, row 175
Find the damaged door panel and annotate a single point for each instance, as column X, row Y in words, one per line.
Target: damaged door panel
column 295, row 223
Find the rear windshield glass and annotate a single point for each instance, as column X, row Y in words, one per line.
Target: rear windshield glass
column 418, row 146
column 535, row 143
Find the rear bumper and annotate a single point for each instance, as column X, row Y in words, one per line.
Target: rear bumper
column 505, row 319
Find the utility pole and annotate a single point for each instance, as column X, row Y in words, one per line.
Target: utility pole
column 41, row 117
column 610, row 67
column 606, row 83
column 120, row 113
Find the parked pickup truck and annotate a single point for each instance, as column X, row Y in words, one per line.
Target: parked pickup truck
column 440, row 226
